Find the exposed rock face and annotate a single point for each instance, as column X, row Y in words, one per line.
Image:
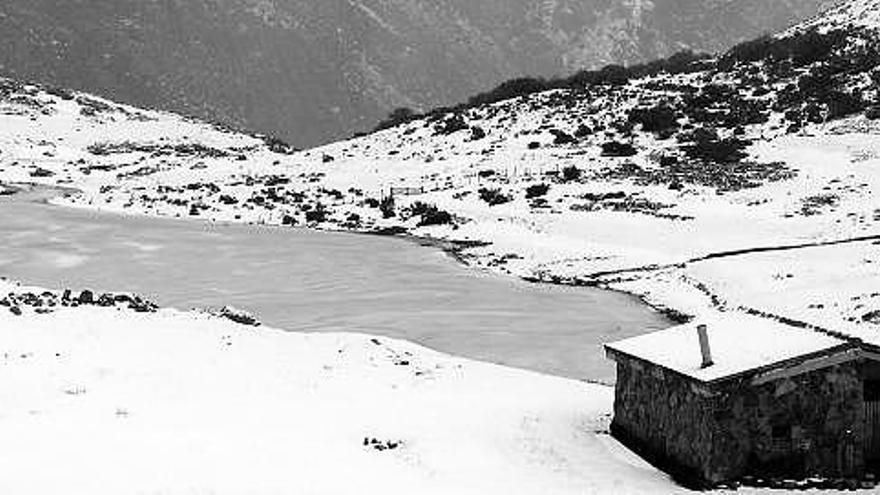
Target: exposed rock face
column 314, row 70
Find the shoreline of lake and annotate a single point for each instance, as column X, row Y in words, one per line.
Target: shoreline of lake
column 493, row 343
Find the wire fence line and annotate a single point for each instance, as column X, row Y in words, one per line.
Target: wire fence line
column 435, row 183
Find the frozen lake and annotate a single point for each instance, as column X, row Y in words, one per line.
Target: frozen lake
column 322, row 282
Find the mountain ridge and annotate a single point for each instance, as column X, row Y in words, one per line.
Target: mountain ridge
column 311, row 71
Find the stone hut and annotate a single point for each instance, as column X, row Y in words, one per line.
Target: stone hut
column 741, row 396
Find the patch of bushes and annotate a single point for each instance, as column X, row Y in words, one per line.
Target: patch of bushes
column 353, row 221
column 742, row 112
column 537, row 190
column 616, row 149
column 571, row 173
column 493, row 196
column 477, row 133
column 816, row 83
column 611, row 75
column 318, row 214
column 451, row 125
column 397, row 117
column 276, row 145
column 604, row 196
column 513, row 88
column 801, row 49
column 657, row 119
column 729, row 150
column 430, row 214
column 386, row 206
column 842, row 104
column 560, row 138
column 582, row 131
column 63, row 93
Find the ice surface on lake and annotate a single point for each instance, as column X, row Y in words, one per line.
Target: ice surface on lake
column 321, row 282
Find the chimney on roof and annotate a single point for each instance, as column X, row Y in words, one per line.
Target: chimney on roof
column 703, row 333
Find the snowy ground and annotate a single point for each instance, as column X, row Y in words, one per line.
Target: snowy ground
column 108, row 400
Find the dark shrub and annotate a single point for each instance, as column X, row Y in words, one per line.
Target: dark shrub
column 493, row 196
column 318, row 214
column 714, row 94
column 681, row 62
column 745, row 112
column 812, row 46
column 397, row 117
column 477, row 133
column 386, row 206
column 728, row 150
column 657, row 119
column 560, row 137
column 817, row 83
column 747, row 51
column 582, row 131
column 700, row 134
column 451, row 125
column 801, row 49
column 622, row 126
column 571, row 173
column 352, row 221
column 534, row 145
column 873, row 113
column 613, row 148
column 813, row 113
column 430, row 214
column 612, row 75
column 277, row 145
column 668, row 160
column 64, row 94
column 793, row 115
column 760, row 91
column 842, row 104
column 510, row 89
column 537, row 190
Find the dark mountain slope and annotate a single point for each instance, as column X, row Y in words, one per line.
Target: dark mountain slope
column 312, row 70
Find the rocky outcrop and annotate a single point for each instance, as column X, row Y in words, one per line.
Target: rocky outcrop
column 18, row 303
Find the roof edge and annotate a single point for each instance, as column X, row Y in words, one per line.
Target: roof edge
column 846, row 347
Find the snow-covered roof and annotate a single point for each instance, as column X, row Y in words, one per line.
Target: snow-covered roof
column 739, row 343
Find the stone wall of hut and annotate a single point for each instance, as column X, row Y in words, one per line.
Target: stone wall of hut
column 810, row 424
column 806, row 425
column 667, row 419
